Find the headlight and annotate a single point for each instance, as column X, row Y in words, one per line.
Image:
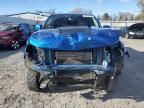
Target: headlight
column 131, row 33
column 5, row 37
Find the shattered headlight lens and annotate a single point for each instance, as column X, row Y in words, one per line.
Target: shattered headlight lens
column 40, row 54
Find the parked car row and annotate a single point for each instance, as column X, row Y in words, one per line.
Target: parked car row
column 135, row 31
column 14, row 36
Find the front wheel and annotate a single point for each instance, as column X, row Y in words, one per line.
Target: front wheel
column 32, row 80
column 15, row 45
column 111, row 84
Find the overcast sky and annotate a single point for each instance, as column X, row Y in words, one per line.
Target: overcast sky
column 97, row 6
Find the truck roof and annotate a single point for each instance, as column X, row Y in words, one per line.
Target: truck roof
column 73, row 14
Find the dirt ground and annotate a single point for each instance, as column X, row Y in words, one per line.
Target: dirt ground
column 129, row 92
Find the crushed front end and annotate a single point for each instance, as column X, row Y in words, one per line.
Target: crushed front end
column 74, row 55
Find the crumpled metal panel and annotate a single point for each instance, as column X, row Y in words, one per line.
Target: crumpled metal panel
column 74, row 41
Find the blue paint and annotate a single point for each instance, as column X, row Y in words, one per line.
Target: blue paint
column 74, row 41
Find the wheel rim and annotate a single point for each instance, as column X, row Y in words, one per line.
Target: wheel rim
column 15, row 45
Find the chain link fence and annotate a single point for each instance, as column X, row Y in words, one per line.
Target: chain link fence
column 119, row 24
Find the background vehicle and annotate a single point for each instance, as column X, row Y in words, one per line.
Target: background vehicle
column 13, row 36
column 135, row 31
column 123, row 31
column 107, row 26
column 73, row 47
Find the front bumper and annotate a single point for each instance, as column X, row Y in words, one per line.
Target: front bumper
column 98, row 69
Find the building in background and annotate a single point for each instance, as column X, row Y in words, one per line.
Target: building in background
column 38, row 16
column 6, row 20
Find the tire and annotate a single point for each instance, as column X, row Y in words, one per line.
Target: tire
column 119, row 62
column 111, row 84
column 15, row 45
column 32, row 80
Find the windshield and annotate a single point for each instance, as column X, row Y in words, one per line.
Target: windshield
column 7, row 28
column 56, row 21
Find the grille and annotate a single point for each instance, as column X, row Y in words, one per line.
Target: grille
column 74, row 57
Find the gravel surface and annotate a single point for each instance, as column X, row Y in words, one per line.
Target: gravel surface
column 129, row 92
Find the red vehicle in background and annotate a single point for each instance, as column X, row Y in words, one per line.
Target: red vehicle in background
column 14, row 36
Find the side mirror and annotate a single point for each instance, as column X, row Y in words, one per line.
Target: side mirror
column 106, row 26
column 38, row 27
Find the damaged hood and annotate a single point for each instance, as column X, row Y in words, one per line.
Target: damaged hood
column 74, row 41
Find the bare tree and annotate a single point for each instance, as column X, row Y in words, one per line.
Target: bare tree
column 141, row 5
column 51, row 11
column 81, row 11
column 125, row 16
column 140, row 16
column 114, row 17
column 130, row 16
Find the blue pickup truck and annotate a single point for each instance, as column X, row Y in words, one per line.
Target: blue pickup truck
column 74, row 47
